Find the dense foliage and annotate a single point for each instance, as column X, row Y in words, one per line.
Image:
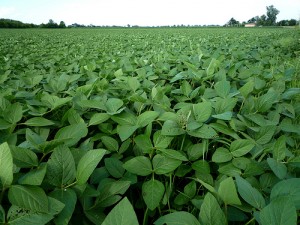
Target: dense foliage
column 150, row 126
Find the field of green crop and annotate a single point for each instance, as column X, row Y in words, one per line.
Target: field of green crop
column 150, row 126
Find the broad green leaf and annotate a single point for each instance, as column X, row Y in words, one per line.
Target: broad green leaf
column 173, row 154
column 113, row 106
column 279, row 149
column 125, row 131
column 201, row 166
column 98, row 118
column 241, row 147
column 223, row 116
column 265, row 134
column 153, row 191
column 289, row 187
column 186, row 88
column 139, row 165
column 61, row 167
column 279, row 169
column 6, row 165
column 229, row 169
column 69, row 198
column 54, row 102
column 163, row 164
column 227, row 192
column 221, row 155
column 280, row 211
column 196, row 151
column 178, row 218
column 122, row 214
column 210, row 212
column 4, row 124
column 249, row 193
column 34, row 177
column 212, row 67
column 206, row 132
column 133, row 83
column 147, row 117
column 72, row 132
column 110, row 192
column 206, row 185
column 247, row 88
column 87, row 164
column 28, row 197
column 110, row 143
column 161, row 141
column 38, row 122
column 171, row 128
column 222, row 88
column 144, row 143
column 202, row 111
column 125, row 118
column 265, row 102
column 115, row 167
column 13, row 113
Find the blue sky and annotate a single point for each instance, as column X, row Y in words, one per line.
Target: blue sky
column 143, row 12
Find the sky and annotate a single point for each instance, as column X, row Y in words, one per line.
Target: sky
column 144, row 12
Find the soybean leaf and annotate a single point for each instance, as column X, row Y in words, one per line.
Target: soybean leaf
column 279, row 148
column 113, row 106
column 280, row 211
column 28, row 197
column 147, row 117
column 202, row 111
column 72, row 132
column 206, row 132
column 125, row 131
column 171, row 128
column 24, row 158
column 13, row 113
column 173, row 154
column 122, row 214
column 279, row 169
column 144, row 143
column 98, row 118
column 222, row 88
column 241, row 147
column 289, row 187
column 6, row 165
column 265, row 134
column 227, row 192
column 139, row 165
column 38, row 122
column 178, row 218
column 87, row 164
column 69, row 198
column 221, row 155
column 61, row 167
column 115, row 167
column 163, row 164
column 34, row 177
column 161, row 141
column 110, row 143
column 210, row 212
column 250, row 194
column 247, row 88
column 153, row 191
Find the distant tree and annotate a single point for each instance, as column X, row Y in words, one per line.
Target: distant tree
column 233, row 22
column 292, row 22
column 62, row 24
column 272, row 13
column 262, row 20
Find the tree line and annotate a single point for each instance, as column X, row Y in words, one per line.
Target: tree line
column 8, row 23
column 264, row 20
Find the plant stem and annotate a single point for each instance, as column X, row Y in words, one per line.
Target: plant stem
column 145, row 217
column 1, row 195
column 183, row 140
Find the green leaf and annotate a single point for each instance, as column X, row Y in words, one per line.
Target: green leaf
column 69, row 198
column 115, row 167
column 125, row 131
column 250, row 194
column 98, row 118
column 222, row 88
column 113, row 106
column 153, row 191
column 210, row 212
column 61, row 167
column 13, row 113
column 38, row 122
column 206, row 132
column 34, row 177
column 161, row 141
column 279, row 169
column 178, row 218
column 23, row 158
column 201, row 166
column 87, row 164
column 223, row 116
column 186, row 88
column 171, row 128
column 221, row 155
column 139, row 165
column 73, row 132
column 164, row 165
column 133, row 83
column 202, row 111
column 6, row 165
column 247, row 88
column 227, row 192
column 241, row 147
column 211, row 67
column 289, row 187
column 173, row 154
column 110, row 143
column 144, row 143
column 280, row 211
column 147, row 117
column 28, row 197
column 265, row 134
column 122, row 214
column 279, row 149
